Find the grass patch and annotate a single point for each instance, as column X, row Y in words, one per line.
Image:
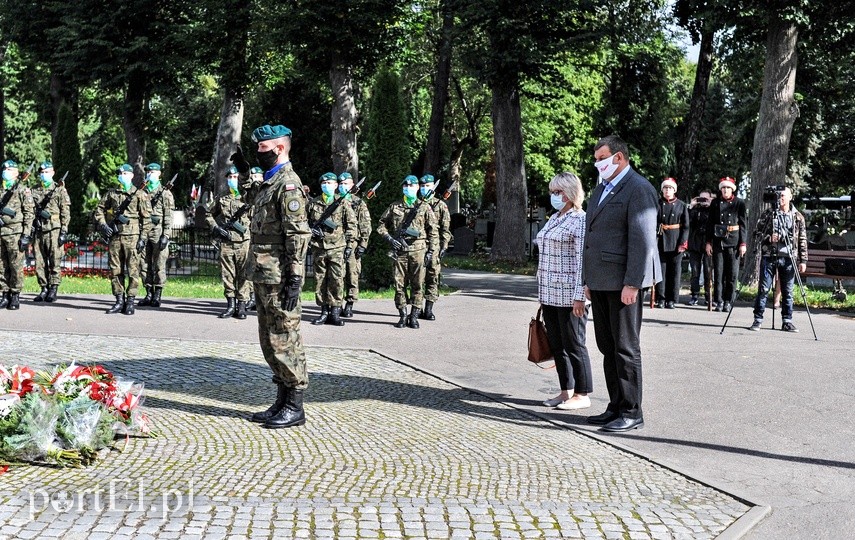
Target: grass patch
column 482, row 262
column 817, row 298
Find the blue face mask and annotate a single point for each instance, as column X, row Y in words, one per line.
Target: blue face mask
column 343, row 190
column 125, row 182
column 424, row 190
column 410, row 191
column 233, row 183
column 328, row 189
column 557, row 201
column 47, row 179
column 8, row 176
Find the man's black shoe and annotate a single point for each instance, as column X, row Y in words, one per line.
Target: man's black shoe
column 347, row 312
column 659, row 304
column 118, row 306
column 604, row 418
column 670, row 305
column 51, row 294
column 335, row 317
column 755, row 326
column 623, row 424
column 292, row 414
column 230, row 309
column 4, row 300
column 322, row 318
column 146, row 301
column 41, row 296
column 789, row 327
column 727, row 307
column 717, row 306
column 273, row 410
column 694, row 300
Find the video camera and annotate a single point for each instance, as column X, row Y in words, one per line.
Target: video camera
column 772, row 193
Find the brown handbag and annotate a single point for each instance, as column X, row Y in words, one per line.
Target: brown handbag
column 538, row 345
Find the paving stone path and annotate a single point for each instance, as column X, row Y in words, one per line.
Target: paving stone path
column 388, row 452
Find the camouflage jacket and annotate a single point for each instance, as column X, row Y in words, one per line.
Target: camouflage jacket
column 788, row 226
column 17, row 216
column 138, row 212
column 424, row 232
column 223, row 211
column 52, row 208
column 443, row 220
column 279, row 229
column 363, row 220
column 339, row 229
column 162, row 204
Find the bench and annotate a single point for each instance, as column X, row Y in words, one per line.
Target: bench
column 816, row 268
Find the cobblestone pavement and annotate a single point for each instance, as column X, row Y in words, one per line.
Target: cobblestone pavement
column 387, row 452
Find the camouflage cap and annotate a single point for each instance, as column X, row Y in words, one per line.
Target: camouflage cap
column 10, row 164
column 328, row 177
column 427, row 179
column 256, row 170
column 268, row 132
column 152, row 167
column 232, row 170
column 345, row 176
column 45, row 165
column 410, row 180
column 124, row 168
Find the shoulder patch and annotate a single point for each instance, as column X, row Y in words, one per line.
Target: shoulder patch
column 294, row 205
column 289, row 187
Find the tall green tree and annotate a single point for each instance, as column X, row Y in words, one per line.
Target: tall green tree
column 67, row 157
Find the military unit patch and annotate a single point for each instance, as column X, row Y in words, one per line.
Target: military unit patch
column 294, row 205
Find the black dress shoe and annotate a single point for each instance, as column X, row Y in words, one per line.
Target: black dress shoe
column 602, row 419
column 623, row 423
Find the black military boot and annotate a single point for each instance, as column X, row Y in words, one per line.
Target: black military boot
column 14, row 301
column 129, row 306
column 155, row 297
column 402, row 322
column 4, row 300
column 413, row 321
column 146, row 301
column 240, row 310
column 250, row 305
column 427, row 314
column 292, row 413
column 322, row 318
column 335, row 317
column 118, row 306
column 230, row 309
column 273, row 410
column 51, row 293
column 347, row 312
column 41, row 296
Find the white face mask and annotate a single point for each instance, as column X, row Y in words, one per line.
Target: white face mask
column 606, row 168
column 557, row 201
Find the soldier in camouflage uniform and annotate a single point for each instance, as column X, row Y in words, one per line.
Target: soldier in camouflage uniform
column 279, row 238
column 228, row 219
column 125, row 230
column 333, row 240
column 153, row 258
column 427, row 185
column 50, row 223
column 16, row 219
column 256, row 176
column 353, row 265
column 413, row 248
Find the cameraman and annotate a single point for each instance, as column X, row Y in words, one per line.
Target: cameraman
column 699, row 263
column 784, row 240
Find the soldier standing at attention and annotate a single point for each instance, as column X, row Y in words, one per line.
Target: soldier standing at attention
column 124, row 220
column 726, row 235
column 410, row 228
column 333, row 240
column 16, row 219
column 279, row 237
column 673, row 240
column 427, row 185
column 353, row 265
column 52, row 216
column 153, row 263
column 228, row 219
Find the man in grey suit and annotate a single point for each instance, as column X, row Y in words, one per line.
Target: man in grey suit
column 620, row 260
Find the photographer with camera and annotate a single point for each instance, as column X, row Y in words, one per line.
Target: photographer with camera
column 699, row 263
column 726, row 242
column 784, row 243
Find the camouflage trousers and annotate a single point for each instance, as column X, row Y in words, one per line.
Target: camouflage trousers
column 11, row 264
column 432, row 277
column 279, row 336
column 329, row 276
column 124, row 262
column 232, row 263
column 409, row 271
column 153, row 263
column 352, row 269
column 48, row 254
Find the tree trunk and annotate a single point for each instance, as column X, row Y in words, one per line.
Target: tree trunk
column 344, row 116
column 433, row 150
column 454, row 173
column 692, row 127
column 228, row 137
column 511, row 191
column 132, row 121
column 778, row 113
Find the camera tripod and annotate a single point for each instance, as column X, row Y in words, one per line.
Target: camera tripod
column 778, row 222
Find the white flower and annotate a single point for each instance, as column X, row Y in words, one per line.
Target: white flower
column 7, row 403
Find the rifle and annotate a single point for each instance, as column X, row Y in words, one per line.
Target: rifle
column 8, row 196
column 324, row 218
column 121, row 218
column 40, row 210
column 233, row 224
column 166, row 187
column 447, row 192
column 405, row 230
column 373, row 191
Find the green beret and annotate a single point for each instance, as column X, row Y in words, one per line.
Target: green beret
column 427, row 179
column 45, row 165
column 328, row 177
column 344, row 176
column 409, row 180
column 10, row 164
column 152, row 167
column 256, row 170
column 124, row 168
column 267, row 132
column 233, row 170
